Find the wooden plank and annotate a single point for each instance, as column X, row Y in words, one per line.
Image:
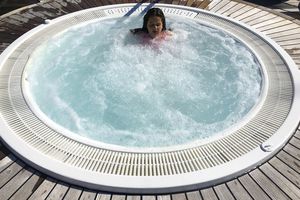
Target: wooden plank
column 252, row 188
column 247, row 14
column 15, row 183
column 73, row 193
column 28, row 188
column 58, row 192
column 203, row 4
column 235, row 8
column 43, row 190
column 195, row 195
column 290, row 42
column 223, row 192
column 190, row 2
column 208, row 194
column 267, row 21
column 15, row 23
column 227, row 7
column 237, row 190
column 50, row 10
column 267, row 185
column 6, row 161
column 212, row 4
column 99, row 2
column 291, row 47
column 287, row 38
column 101, row 196
column 275, row 25
column 281, row 29
column 91, row 3
column 292, row 175
column 293, row 151
column 257, row 15
column 220, row 5
column 285, row 33
column 148, row 197
column 164, row 197
column 180, row 196
column 297, row 134
column 30, row 16
column 295, row 141
column 10, row 172
column 133, row 197
column 57, row 6
column 118, row 197
column 289, row 160
column 261, row 19
column 241, row 11
column 88, row 195
column 283, row 183
column 38, row 12
column 69, row 6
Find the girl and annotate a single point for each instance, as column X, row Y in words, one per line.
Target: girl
column 154, row 25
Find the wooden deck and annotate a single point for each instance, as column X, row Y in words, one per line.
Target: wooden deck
column 278, row 178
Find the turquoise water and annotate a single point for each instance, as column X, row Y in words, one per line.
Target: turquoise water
column 101, row 82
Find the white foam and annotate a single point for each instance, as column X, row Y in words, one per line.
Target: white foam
column 116, row 89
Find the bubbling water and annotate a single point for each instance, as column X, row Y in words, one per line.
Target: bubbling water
column 99, row 81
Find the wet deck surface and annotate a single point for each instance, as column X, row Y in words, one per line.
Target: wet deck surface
column 278, row 178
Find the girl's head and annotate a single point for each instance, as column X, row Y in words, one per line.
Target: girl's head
column 154, row 22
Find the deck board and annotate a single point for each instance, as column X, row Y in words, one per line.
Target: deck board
column 58, row 192
column 272, row 26
column 227, row 7
column 283, row 183
column 293, row 151
column 148, row 197
column 280, row 29
column 26, row 190
column 73, row 193
column 276, row 179
column 43, row 190
column 103, row 196
column 290, row 37
column 240, row 12
column 296, row 142
column 136, row 197
column 6, row 161
column 249, row 13
column 180, row 196
column 118, row 197
column 268, row 186
column 258, row 15
column 238, row 191
column 195, row 195
column 253, row 188
column 220, row 5
column 10, row 172
column 285, row 33
column 234, row 9
column 291, row 175
column 88, row 195
column 15, row 183
column 223, row 192
column 289, row 160
column 209, row 194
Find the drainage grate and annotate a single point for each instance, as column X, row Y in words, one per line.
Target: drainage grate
column 40, row 136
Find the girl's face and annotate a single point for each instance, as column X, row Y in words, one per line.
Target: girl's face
column 154, row 26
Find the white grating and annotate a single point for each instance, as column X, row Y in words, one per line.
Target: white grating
column 28, row 127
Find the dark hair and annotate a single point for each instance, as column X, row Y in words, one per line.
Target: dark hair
column 153, row 12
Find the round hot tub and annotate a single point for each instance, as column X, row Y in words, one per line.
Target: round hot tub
column 87, row 102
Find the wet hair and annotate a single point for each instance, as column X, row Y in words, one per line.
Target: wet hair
column 153, row 12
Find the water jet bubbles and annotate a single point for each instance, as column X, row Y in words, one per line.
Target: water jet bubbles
column 129, row 93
